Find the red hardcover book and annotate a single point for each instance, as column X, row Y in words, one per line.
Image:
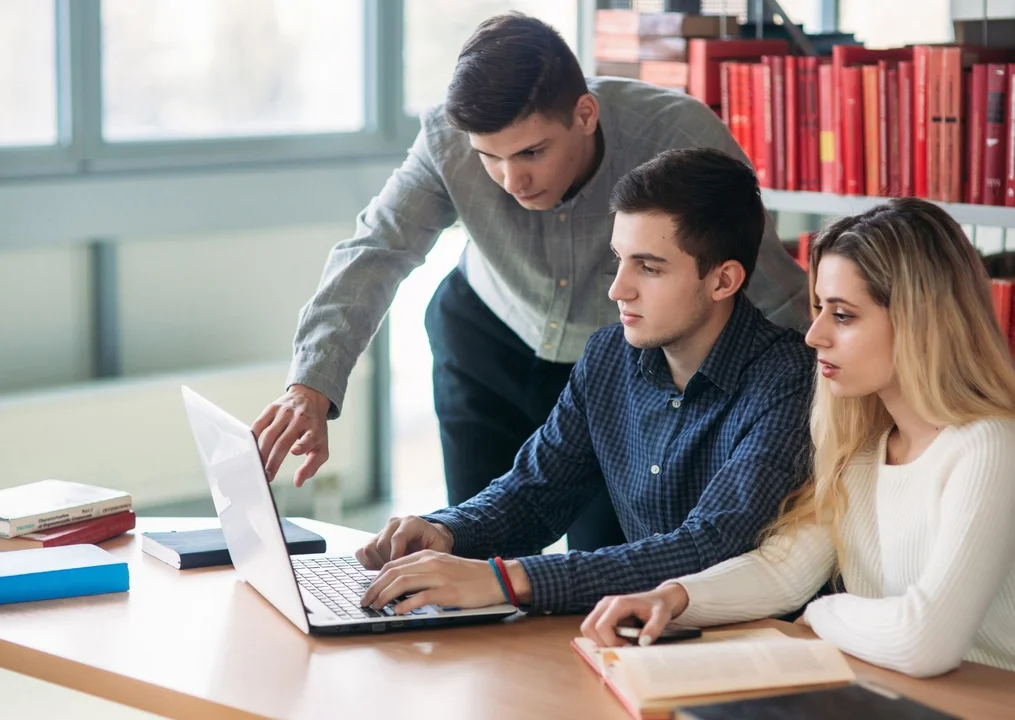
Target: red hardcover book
column 882, row 117
column 906, row 128
column 871, row 132
column 1001, row 295
column 85, row 532
column 803, row 250
column 792, row 124
column 826, row 120
column 891, row 99
column 813, row 132
column 777, row 67
column 842, row 57
column 921, row 68
column 746, row 119
column 975, row 132
column 704, row 57
column 736, row 122
column 1009, row 188
column 724, row 95
column 852, row 142
column 761, row 105
column 994, row 143
column 950, row 176
column 935, row 119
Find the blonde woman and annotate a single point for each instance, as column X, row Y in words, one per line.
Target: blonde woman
column 912, row 502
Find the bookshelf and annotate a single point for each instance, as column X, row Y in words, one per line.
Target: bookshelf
column 818, row 203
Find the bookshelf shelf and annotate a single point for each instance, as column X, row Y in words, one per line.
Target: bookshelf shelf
column 830, row 204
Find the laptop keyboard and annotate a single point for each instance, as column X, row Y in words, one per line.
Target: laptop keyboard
column 339, row 583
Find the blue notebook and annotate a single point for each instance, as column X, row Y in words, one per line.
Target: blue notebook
column 60, row 572
column 206, row 548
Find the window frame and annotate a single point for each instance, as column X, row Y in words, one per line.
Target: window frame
column 81, row 150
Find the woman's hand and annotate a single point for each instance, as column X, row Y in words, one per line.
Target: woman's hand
column 654, row 608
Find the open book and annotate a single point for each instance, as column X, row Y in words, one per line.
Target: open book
column 721, row 665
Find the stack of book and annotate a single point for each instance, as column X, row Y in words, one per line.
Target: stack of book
column 655, row 47
column 51, row 513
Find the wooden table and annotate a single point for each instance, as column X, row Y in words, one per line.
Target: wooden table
column 202, row 644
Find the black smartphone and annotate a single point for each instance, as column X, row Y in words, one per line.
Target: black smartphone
column 631, row 629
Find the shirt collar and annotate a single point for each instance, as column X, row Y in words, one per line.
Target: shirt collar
column 602, row 173
column 724, row 362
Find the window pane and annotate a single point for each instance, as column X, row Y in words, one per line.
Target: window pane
column 27, row 72
column 198, row 68
column 880, row 24
column 435, row 31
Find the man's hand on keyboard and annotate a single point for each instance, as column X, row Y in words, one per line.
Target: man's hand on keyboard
column 434, row 578
column 401, row 537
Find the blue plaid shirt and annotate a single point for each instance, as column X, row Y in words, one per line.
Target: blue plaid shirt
column 694, row 476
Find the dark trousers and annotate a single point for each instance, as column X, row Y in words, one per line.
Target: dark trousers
column 491, row 393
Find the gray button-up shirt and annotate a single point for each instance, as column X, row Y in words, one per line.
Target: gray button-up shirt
column 544, row 273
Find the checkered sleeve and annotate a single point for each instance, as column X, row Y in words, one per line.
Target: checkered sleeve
column 556, row 473
column 771, row 460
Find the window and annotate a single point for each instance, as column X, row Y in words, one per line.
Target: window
column 435, row 31
column 175, row 69
column 879, row 24
column 27, row 73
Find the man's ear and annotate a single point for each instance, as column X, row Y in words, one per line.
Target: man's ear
column 727, row 279
column 586, row 113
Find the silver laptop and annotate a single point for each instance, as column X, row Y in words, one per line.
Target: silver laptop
column 318, row 593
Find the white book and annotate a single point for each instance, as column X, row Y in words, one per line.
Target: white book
column 51, row 503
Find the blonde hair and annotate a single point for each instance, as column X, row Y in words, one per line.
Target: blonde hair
column 952, row 362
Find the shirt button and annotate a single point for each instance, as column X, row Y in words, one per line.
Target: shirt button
column 555, row 325
column 655, row 469
column 563, row 217
column 675, row 403
column 547, row 346
column 562, row 282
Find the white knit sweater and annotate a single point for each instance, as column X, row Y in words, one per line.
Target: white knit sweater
column 930, row 560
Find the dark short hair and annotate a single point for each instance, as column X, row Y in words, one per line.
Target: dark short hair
column 712, row 197
column 512, row 67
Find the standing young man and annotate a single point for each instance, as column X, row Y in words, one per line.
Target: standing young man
column 694, row 409
column 524, row 152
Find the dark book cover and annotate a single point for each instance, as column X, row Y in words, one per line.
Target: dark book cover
column 844, row 703
column 207, row 548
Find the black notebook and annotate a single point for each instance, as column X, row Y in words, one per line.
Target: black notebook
column 844, row 703
column 206, row 548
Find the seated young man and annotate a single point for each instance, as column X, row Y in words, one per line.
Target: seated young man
column 694, row 408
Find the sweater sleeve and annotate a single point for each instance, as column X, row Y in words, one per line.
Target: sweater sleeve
column 929, row 628
column 775, row 579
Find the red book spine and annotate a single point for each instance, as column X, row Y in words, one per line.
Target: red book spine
column 906, row 128
column 828, row 143
column 778, row 75
column 792, row 125
column 746, row 121
column 91, row 531
column 1009, row 194
column 994, row 134
column 951, row 132
column 882, row 118
column 935, row 119
column 724, row 94
column 761, row 104
column 891, row 98
column 921, row 57
column 813, row 126
column 871, row 131
column 803, row 253
column 852, row 142
column 975, row 132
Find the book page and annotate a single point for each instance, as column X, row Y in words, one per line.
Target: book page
column 684, row 670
